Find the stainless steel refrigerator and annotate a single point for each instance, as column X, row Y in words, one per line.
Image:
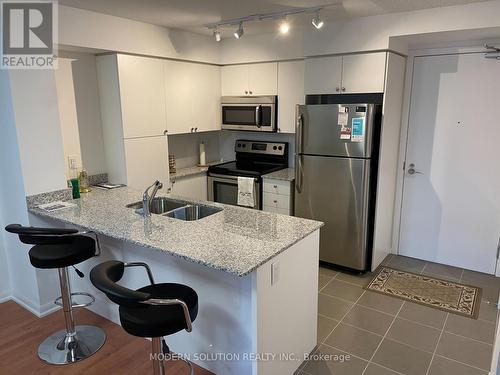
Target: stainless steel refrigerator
column 335, row 182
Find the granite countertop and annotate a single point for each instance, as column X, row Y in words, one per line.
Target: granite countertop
column 287, row 174
column 193, row 170
column 236, row 240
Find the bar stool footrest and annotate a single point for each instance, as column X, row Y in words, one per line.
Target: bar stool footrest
column 58, row 301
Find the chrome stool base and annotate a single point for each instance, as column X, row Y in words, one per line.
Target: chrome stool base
column 63, row 348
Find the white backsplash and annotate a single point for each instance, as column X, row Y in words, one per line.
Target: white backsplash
column 185, row 147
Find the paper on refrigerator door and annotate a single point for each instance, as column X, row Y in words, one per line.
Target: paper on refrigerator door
column 343, row 118
column 345, row 133
column 358, row 129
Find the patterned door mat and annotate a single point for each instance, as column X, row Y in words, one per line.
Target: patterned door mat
column 445, row 295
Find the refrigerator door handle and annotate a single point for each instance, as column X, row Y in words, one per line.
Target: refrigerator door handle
column 298, row 173
column 299, row 130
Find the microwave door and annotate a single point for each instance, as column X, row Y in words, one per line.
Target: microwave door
column 236, row 116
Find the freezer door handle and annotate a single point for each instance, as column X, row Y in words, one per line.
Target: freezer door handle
column 298, row 173
column 299, row 130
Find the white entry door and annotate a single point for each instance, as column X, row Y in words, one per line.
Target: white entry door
column 451, row 198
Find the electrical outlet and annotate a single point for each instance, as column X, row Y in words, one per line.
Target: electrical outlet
column 72, row 162
column 275, row 272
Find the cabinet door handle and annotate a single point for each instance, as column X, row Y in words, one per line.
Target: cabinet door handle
column 275, row 186
column 343, row 88
column 195, row 129
column 275, row 201
column 192, row 130
column 337, row 89
column 250, row 92
column 165, row 132
column 246, row 92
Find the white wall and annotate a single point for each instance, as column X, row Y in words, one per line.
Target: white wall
column 88, row 111
column 13, row 204
column 82, row 28
column 362, row 34
column 67, row 115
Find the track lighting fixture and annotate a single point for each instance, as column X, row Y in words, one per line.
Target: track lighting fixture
column 239, row 32
column 317, row 22
column 284, row 26
column 217, row 35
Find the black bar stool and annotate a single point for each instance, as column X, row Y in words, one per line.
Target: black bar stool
column 154, row 311
column 60, row 248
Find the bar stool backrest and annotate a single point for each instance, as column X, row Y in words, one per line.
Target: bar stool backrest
column 42, row 236
column 105, row 276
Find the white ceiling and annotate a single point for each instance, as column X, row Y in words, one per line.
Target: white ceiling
column 193, row 14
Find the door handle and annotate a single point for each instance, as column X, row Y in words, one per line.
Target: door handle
column 412, row 170
column 258, row 119
column 298, row 173
column 298, row 131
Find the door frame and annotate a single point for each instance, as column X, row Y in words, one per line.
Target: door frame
column 472, row 48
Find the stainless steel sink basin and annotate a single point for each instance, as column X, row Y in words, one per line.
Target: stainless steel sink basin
column 193, row 212
column 159, row 205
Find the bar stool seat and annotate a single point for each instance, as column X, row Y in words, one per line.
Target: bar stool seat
column 154, row 320
column 74, row 251
column 60, row 248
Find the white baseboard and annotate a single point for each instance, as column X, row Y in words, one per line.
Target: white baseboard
column 5, row 296
column 37, row 310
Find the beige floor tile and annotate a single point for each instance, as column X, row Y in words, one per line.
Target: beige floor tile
column 490, row 293
column 445, row 366
column 368, row 319
column 465, row 350
column 343, row 290
column 323, row 280
column 387, row 259
column 334, row 362
column 354, row 341
column 402, row 358
column 480, row 279
column 374, row 369
column 332, row 307
column 407, row 263
column 423, row 315
column 442, row 270
column 488, row 312
column 380, row 302
column 325, row 327
column 472, row 328
column 442, row 277
column 414, row 334
column 327, row 271
column 360, row 280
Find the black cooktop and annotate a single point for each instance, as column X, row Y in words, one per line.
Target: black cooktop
column 234, row 168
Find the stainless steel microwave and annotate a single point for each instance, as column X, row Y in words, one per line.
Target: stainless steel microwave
column 250, row 113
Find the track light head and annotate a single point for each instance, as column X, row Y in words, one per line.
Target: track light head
column 317, row 21
column 217, row 35
column 284, row 27
column 239, row 32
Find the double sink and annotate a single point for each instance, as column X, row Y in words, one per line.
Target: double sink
column 176, row 209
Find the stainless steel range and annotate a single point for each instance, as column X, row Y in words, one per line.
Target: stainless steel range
column 253, row 159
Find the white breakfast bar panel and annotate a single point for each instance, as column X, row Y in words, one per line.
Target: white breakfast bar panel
column 246, row 324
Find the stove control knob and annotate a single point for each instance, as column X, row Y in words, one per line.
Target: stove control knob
column 274, row 147
column 239, row 144
column 280, row 148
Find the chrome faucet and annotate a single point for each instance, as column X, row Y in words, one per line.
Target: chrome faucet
column 147, row 199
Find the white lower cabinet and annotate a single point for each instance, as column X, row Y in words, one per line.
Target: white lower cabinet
column 277, row 196
column 191, row 187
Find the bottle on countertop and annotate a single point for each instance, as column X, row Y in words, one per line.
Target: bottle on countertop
column 203, row 160
column 83, row 179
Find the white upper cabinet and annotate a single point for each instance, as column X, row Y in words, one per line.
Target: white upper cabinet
column 250, row 79
column 323, row 75
column 358, row 73
column 263, row 79
column 206, row 106
column 142, row 96
column 290, row 93
column 192, row 97
column 363, row 73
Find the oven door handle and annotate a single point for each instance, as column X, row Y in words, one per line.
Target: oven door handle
column 228, row 177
